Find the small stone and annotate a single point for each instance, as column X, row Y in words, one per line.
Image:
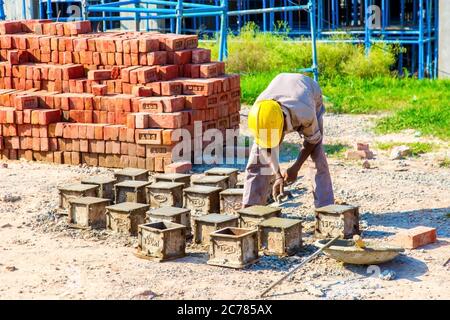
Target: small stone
column 10, row 268
column 400, row 152
column 10, row 198
column 387, row 275
column 366, row 164
column 4, row 165
column 315, row 291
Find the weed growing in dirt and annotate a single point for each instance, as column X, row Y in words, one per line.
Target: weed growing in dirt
column 417, row 148
column 336, row 150
column 290, row 151
column 445, row 163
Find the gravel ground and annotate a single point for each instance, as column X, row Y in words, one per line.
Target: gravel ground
column 41, row 257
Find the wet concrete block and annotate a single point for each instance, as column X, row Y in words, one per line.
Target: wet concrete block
column 336, row 220
column 165, row 194
column 171, row 214
column 105, row 186
column 201, row 200
column 131, row 191
column 87, row 212
column 212, row 181
column 231, row 201
column 73, row 191
column 231, row 173
column 233, row 247
column 126, row 217
column 161, row 241
column 205, row 225
column 131, row 174
column 279, row 236
column 174, row 177
column 250, row 217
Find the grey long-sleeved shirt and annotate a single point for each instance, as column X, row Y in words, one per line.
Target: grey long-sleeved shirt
column 301, row 101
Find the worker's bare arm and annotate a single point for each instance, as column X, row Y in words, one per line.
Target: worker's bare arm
column 305, row 152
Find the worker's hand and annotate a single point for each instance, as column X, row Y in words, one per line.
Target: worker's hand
column 278, row 187
column 290, row 175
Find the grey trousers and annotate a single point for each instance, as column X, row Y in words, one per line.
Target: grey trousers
column 257, row 186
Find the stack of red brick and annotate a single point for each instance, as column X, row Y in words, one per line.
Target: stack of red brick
column 71, row 96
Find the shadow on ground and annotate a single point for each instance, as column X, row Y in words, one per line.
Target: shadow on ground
column 434, row 217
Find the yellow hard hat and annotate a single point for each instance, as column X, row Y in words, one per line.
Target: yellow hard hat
column 265, row 121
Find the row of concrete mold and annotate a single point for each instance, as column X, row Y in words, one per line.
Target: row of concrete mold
column 202, row 209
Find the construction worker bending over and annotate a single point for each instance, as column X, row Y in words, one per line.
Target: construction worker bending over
column 291, row 102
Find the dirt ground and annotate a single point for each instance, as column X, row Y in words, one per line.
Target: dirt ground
column 41, row 258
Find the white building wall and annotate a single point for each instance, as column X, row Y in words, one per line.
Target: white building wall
column 13, row 9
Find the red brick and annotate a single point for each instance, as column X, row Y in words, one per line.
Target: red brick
column 147, row 74
column 161, row 104
column 168, row 120
column 36, row 144
column 100, row 146
column 149, row 136
column 157, row 58
column 196, row 102
column 111, row 132
column 171, row 88
column 78, row 27
column 200, row 86
column 148, row 45
column 142, row 120
column 159, row 164
column 98, row 75
column 201, row 56
column 10, row 27
column 156, row 88
column 140, row 150
column 168, row 72
column 44, row 144
column 13, row 57
column 99, row 90
column 211, row 70
column 416, row 237
column 49, row 116
column 191, row 41
column 141, row 91
column 22, row 102
column 179, row 57
column 174, row 42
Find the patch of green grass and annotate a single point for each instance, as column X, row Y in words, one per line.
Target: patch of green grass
column 430, row 120
column 336, row 150
column 416, row 147
column 253, row 84
column 380, row 94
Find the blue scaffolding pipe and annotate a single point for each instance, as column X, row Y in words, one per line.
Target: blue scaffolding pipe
column 436, row 47
column 421, row 71
column 2, row 11
column 367, row 27
column 264, row 16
